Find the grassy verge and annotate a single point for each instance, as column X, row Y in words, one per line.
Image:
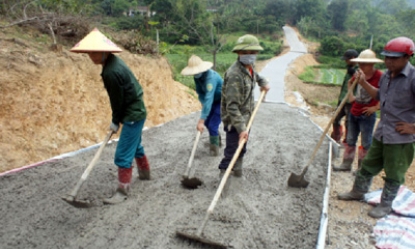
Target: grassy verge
column 223, row 62
column 325, row 76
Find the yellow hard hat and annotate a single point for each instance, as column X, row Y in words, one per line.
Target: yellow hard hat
column 95, row 41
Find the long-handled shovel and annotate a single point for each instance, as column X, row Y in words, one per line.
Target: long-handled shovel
column 298, row 181
column 71, row 198
column 198, row 236
column 191, row 182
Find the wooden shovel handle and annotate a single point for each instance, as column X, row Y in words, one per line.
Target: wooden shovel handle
column 91, row 165
column 235, row 157
column 192, row 155
column 339, row 108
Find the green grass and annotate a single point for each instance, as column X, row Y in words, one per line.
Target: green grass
column 325, row 76
column 178, row 55
column 308, row 75
column 331, row 76
column 223, row 62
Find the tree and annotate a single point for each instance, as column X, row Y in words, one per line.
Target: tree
column 280, row 11
column 358, row 22
column 392, row 7
column 115, row 8
column 332, row 46
column 337, row 12
column 315, row 9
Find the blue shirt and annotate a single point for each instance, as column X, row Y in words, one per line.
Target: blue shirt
column 208, row 88
column 397, row 103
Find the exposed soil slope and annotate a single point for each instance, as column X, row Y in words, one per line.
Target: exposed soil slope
column 55, row 102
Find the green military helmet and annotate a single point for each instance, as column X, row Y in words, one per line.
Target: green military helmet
column 247, row 42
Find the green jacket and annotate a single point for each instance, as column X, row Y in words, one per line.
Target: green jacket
column 124, row 91
column 237, row 102
column 344, row 89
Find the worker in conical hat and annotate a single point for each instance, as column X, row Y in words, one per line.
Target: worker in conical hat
column 127, row 104
column 362, row 115
column 208, row 87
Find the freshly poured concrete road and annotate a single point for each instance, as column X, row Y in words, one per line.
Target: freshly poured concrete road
column 275, row 70
column 258, row 210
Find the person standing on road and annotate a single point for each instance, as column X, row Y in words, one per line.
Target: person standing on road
column 392, row 148
column 208, row 87
column 127, row 104
column 362, row 116
column 337, row 132
column 237, row 102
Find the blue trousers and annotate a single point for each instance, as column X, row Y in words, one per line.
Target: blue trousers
column 232, row 142
column 212, row 122
column 361, row 124
column 129, row 145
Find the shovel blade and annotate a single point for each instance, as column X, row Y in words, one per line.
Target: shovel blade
column 191, row 183
column 76, row 203
column 202, row 240
column 297, row 181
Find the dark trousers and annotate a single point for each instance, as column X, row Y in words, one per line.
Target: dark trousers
column 232, row 142
column 344, row 112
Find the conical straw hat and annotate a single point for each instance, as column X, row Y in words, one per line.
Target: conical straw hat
column 95, row 41
column 367, row 56
column 195, row 65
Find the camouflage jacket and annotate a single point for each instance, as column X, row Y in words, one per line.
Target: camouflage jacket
column 237, row 102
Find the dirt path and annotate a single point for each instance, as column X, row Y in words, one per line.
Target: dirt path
column 258, row 211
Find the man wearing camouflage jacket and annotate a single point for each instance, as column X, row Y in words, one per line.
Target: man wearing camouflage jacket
column 237, row 103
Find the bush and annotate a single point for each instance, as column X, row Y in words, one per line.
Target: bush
column 271, row 47
column 136, row 43
column 264, row 57
column 228, row 47
column 332, row 46
column 128, row 23
column 331, row 62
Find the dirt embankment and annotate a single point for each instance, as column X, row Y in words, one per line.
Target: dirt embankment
column 55, row 102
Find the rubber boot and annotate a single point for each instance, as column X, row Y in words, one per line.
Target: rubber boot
column 214, row 145
column 345, row 137
column 237, row 168
column 143, row 168
column 348, row 158
column 361, row 186
column 124, row 180
column 390, row 190
column 361, row 153
column 337, row 133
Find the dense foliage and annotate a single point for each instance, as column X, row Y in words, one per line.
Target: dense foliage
column 338, row 24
